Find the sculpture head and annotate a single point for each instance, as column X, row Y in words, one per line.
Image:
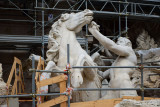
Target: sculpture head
column 124, row 42
column 75, row 21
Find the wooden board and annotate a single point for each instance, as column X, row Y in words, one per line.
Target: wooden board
column 107, row 102
column 62, row 86
column 17, row 61
column 52, row 80
column 18, row 77
column 53, row 102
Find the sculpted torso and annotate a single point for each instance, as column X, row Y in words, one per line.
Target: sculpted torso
column 129, row 60
column 119, row 77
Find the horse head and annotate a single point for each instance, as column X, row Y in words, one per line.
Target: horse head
column 75, row 21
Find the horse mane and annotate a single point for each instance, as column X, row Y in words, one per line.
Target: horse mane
column 54, row 38
column 55, row 30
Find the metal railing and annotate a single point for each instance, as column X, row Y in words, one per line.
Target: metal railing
column 33, row 94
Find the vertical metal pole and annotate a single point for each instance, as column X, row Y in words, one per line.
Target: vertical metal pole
column 126, row 18
column 36, row 3
column 142, row 86
column 135, row 9
column 119, row 21
column 114, row 27
column 33, row 83
column 35, row 23
column 68, row 62
column 86, row 30
column 42, row 30
column 132, row 8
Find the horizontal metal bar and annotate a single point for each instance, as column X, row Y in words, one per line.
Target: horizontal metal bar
column 31, row 95
column 17, row 9
column 114, row 67
column 14, row 96
column 50, row 94
column 103, row 89
column 149, row 62
column 105, row 66
column 20, row 20
column 53, row 71
column 109, row 89
column 151, row 88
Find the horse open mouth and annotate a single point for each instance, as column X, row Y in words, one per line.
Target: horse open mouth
column 88, row 16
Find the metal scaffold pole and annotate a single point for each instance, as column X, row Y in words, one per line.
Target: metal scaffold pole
column 33, row 83
column 42, row 30
column 86, row 28
column 126, row 18
column 68, row 82
column 142, row 85
column 119, row 20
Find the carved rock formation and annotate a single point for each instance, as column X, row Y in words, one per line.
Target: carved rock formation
column 144, row 41
column 148, row 48
column 3, row 89
column 134, row 103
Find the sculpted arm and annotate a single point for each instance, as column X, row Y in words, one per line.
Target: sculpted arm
column 106, row 42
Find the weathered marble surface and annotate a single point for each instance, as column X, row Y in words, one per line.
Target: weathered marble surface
column 148, row 48
column 134, row 103
column 3, row 90
column 119, row 77
column 63, row 32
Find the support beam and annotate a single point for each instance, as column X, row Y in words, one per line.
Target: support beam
column 53, row 102
column 52, row 80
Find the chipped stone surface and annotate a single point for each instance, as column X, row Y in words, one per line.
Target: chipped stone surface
column 63, row 32
column 2, row 87
column 144, row 41
column 154, row 78
column 148, row 48
column 134, row 103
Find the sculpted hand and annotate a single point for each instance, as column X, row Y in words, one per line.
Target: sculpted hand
column 93, row 26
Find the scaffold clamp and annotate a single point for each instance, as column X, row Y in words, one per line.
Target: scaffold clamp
column 141, row 67
column 142, row 88
column 33, row 95
column 68, row 67
column 69, row 91
column 32, row 70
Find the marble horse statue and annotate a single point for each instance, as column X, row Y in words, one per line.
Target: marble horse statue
column 63, row 32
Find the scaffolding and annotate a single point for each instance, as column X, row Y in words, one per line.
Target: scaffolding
column 33, row 70
column 118, row 9
column 121, row 9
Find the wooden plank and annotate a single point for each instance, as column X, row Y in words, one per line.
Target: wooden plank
column 17, row 61
column 11, row 74
column 52, row 80
column 107, row 102
column 37, row 79
column 62, row 86
column 53, row 102
column 38, row 68
column 14, row 87
column 22, row 78
column 16, row 80
column 98, row 103
column 19, row 79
